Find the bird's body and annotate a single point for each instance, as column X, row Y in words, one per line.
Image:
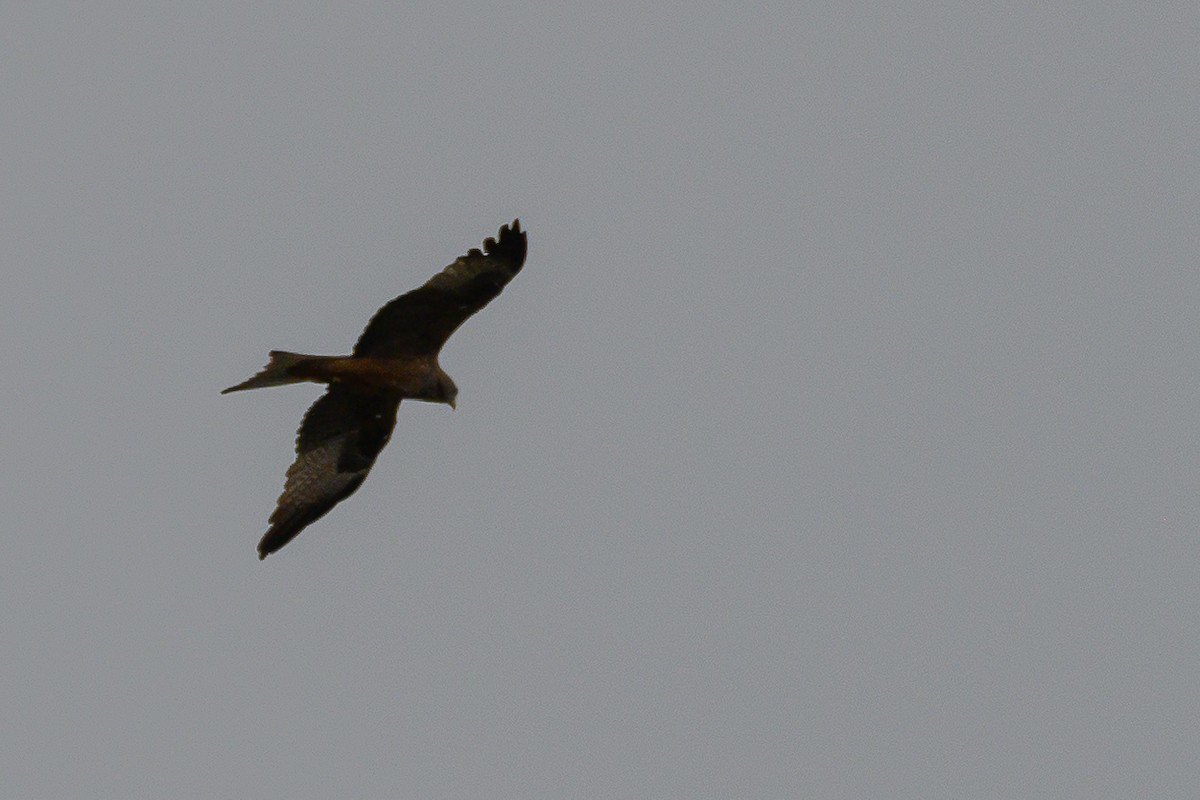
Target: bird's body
column 395, row 359
column 411, row 378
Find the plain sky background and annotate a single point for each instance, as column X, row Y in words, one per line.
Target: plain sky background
column 838, row 440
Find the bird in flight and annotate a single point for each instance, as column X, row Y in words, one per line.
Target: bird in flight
column 395, row 358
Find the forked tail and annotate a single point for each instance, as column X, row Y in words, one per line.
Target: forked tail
column 277, row 372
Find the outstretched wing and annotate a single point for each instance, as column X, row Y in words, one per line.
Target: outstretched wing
column 420, row 322
column 338, row 441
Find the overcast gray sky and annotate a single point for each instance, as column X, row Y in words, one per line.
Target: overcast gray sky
column 838, row 440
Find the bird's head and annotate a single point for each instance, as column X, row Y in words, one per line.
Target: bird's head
column 447, row 392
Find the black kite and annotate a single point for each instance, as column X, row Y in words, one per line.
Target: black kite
column 395, row 358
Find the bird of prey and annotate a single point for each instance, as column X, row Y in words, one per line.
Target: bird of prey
column 395, row 358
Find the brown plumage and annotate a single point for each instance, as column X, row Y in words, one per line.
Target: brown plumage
column 396, row 358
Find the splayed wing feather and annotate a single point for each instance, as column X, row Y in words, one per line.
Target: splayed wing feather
column 419, row 322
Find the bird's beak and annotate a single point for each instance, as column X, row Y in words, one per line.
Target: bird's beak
column 453, row 405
